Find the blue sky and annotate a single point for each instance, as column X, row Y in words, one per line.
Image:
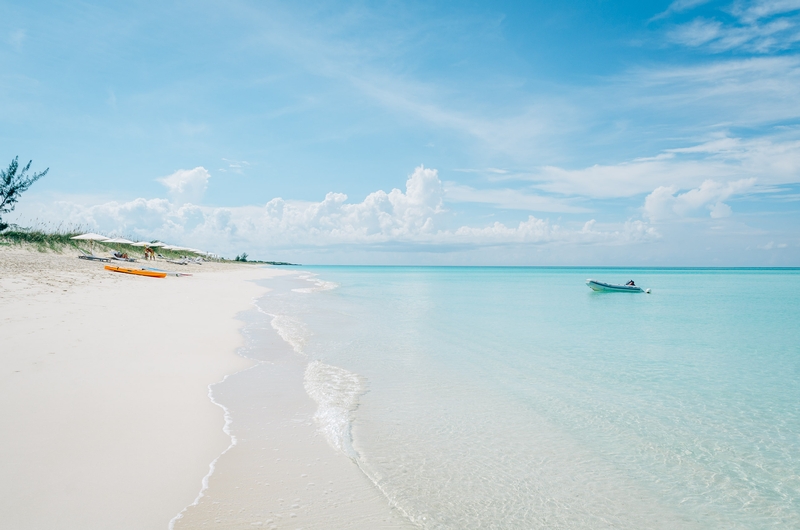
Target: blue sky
column 586, row 132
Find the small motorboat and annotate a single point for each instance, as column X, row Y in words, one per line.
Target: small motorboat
column 604, row 287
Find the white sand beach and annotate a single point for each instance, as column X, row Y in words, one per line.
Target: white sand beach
column 104, row 399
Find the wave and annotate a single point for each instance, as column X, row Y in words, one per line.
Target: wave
column 336, row 392
column 291, row 330
column 319, row 285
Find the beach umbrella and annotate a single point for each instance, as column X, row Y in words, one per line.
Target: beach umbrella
column 141, row 244
column 119, row 241
column 91, row 237
column 157, row 244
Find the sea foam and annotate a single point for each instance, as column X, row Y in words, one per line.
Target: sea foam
column 319, row 285
column 336, row 392
column 291, row 330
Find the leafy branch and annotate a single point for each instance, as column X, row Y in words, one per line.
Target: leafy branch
column 14, row 183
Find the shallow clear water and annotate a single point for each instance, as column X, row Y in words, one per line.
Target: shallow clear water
column 518, row 398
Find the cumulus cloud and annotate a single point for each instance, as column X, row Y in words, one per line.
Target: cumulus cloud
column 187, row 185
column 413, row 216
column 666, row 203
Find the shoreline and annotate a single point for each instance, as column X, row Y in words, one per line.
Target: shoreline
column 105, row 384
column 282, row 472
column 113, row 386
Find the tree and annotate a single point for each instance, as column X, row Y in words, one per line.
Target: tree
column 14, row 183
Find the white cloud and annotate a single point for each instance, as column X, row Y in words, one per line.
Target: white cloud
column 768, row 246
column 752, row 12
column 666, row 203
column 535, row 230
column 696, row 32
column 235, row 166
column 415, row 216
column 511, row 199
column 743, row 92
column 186, row 185
column 679, row 6
column 762, row 26
column 722, row 159
column 771, row 245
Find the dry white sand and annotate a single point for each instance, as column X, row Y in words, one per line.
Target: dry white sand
column 104, row 388
column 106, row 417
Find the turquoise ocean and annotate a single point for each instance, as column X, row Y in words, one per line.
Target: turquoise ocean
column 519, row 398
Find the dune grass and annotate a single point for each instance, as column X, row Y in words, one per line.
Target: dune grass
column 58, row 239
column 41, row 240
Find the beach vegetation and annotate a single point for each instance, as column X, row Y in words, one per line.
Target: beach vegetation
column 53, row 238
column 58, row 238
column 39, row 238
column 13, row 183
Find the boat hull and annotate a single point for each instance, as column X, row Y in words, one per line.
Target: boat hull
column 603, row 287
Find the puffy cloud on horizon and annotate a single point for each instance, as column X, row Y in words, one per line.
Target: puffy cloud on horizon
column 415, row 216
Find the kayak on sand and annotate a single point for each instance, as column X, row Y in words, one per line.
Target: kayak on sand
column 138, row 272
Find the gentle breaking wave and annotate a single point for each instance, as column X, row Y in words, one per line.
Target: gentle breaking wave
column 319, row 285
column 336, row 392
column 291, row 330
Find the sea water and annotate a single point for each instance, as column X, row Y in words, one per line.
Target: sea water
column 519, row 398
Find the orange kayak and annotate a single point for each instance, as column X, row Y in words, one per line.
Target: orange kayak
column 140, row 272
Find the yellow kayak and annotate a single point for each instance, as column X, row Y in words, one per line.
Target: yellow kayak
column 140, row 272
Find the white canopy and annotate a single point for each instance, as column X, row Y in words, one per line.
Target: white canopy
column 91, row 237
column 157, row 244
column 119, row 240
column 141, row 244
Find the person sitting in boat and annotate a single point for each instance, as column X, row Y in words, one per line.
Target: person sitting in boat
column 631, row 283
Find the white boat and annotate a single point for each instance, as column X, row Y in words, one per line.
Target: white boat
column 595, row 285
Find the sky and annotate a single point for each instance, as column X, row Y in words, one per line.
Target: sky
column 587, row 132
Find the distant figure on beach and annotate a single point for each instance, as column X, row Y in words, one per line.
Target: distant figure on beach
column 149, row 253
column 631, row 283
